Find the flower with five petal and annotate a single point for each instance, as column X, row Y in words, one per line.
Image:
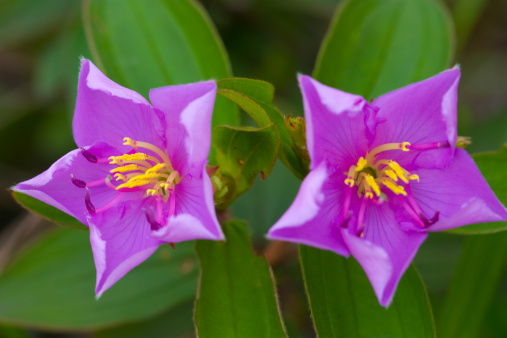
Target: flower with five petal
column 139, row 178
column 382, row 175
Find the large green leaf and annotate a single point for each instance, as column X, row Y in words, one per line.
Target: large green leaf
column 243, row 153
column 247, row 92
column 375, row 46
column 343, row 303
column 47, row 211
column 173, row 323
column 26, row 19
column 52, row 285
column 236, row 296
column 154, row 43
column 475, row 281
column 492, row 166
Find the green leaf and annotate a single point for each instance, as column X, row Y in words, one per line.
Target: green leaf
column 47, row 211
column 155, row 43
column 245, row 152
column 243, row 91
column 26, row 19
column 475, row 281
column 374, row 46
column 236, row 296
column 51, row 286
column 343, row 303
column 465, row 14
column 174, row 323
column 492, row 167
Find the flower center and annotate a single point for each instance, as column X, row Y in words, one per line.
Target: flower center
column 151, row 172
column 139, row 169
column 369, row 175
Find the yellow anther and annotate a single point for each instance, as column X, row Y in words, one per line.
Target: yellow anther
column 414, row 177
column 404, row 146
column 394, row 187
column 349, row 182
column 133, row 184
column 144, row 177
column 398, row 170
column 151, row 192
column 369, row 194
column 155, row 168
column 127, row 141
column 128, row 158
column 166, row 186
column 125, row 168
column 391, row 175
column 120, row 177
column 370, row 181
column 361, row 164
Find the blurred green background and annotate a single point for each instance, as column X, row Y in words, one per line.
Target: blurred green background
column 40, row 46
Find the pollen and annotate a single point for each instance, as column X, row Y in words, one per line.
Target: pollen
column 370, row 181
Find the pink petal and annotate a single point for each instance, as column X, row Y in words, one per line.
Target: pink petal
column 311, row 219
column 108, row 112
column 385, row 251
column 338, row 124
column 188, row 109
column 423, row 112
column 459, row 192
column 120, row 239
column 195, row 216
column 54, row 186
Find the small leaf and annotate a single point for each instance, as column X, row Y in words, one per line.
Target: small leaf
column 474, row 284
column 150, row 44
column 262, row 93
column 243, row 153
column 492, row 167
column 343, row 303
column 51, row 285
column 373, row 47
column 47, row 211
column 236, row 297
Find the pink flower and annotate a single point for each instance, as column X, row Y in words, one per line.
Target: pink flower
column 383, row 175
column 138, row 179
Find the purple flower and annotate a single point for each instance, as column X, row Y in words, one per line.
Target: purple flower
column 384, row 174
column 138, row 179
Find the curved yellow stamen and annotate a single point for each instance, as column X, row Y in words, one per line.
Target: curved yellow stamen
column 133, row 184
column 361, row 164
column 414, row 177
column 397, row 189
column 155, row 168
column 145, row 145
column 385, row 147
column 370, row 181
column 125, row 168
column 350, row 182
column 391, row 175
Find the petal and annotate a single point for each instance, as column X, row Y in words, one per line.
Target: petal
column 194, row 216
column 423, row 112
column 108, row 112
column 459, row 192
column 336, row 124
column 385, row 251
column 54, row 186
column 310, row 220
column 120, row 241
column 188, row 109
